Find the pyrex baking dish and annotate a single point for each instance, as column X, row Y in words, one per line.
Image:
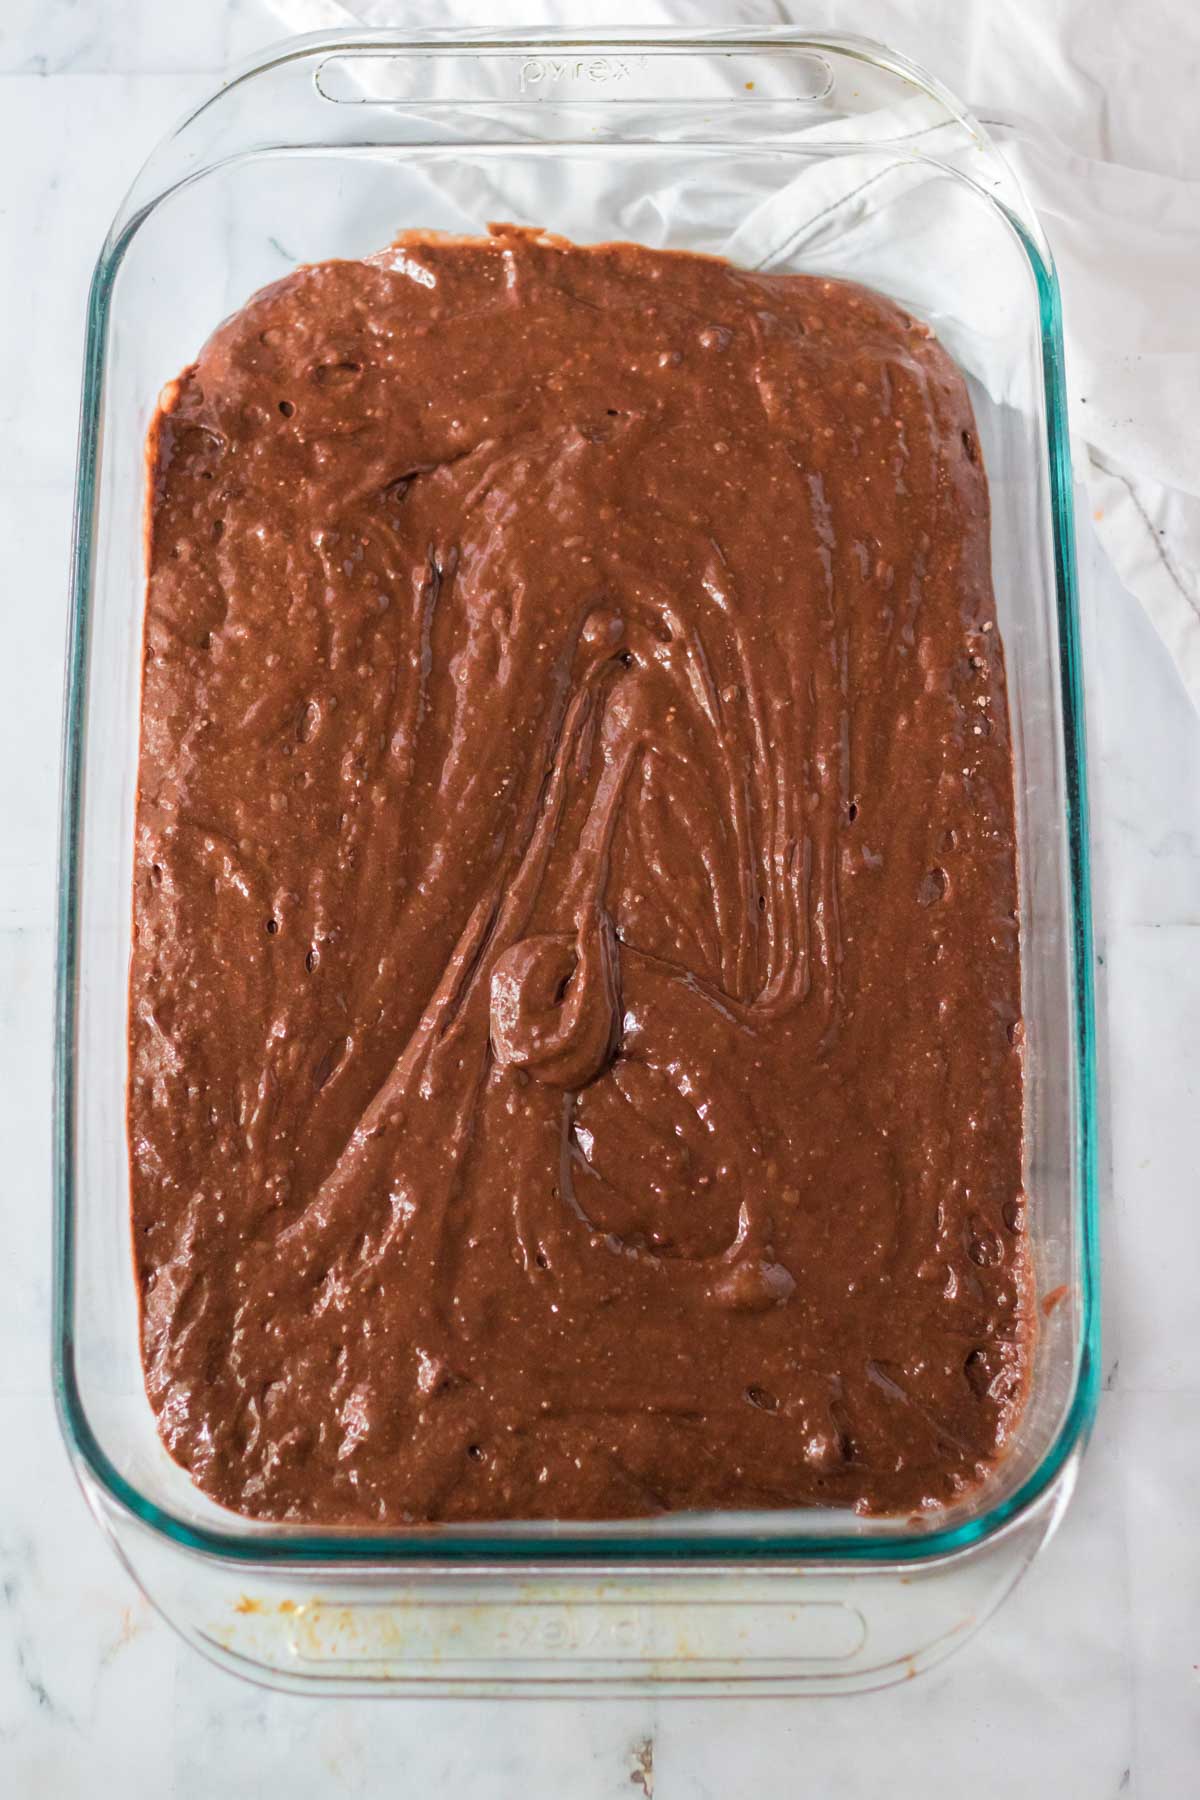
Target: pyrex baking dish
column 788, row 151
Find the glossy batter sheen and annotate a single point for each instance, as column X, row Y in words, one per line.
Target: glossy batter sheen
column 575, row 984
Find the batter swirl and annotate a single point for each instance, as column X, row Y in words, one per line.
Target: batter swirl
column 575, row 990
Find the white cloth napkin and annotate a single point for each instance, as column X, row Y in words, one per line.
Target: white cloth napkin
column 1093, row 103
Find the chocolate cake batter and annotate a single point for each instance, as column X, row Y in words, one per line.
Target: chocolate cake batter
column 575, row 984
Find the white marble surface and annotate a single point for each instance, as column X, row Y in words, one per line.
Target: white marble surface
column 1086, row 1684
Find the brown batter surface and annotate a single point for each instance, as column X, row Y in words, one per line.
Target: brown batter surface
column 575, row 984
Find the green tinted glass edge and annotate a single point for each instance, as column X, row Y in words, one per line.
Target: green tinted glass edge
column 87, row 1454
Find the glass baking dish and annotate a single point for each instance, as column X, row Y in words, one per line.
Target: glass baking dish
column 785, row 150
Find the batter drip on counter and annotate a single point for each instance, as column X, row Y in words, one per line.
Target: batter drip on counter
column 574, row 1024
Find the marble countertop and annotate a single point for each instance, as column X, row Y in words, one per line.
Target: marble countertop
column 1085, row 1685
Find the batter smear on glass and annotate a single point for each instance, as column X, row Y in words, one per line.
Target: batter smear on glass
column 575, row 1001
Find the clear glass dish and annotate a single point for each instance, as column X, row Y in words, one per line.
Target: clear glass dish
column 785, row 150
